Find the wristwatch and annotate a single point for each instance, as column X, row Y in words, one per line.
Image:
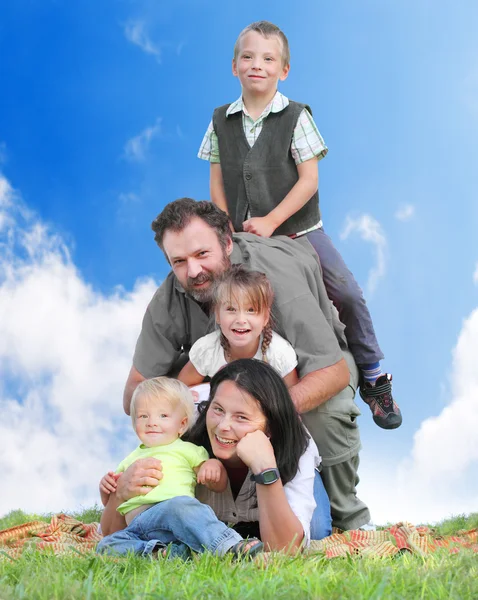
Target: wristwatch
column 266, row 477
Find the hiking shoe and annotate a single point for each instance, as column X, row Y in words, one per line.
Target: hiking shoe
column 386, row 413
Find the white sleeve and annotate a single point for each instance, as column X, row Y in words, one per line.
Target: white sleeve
column 300, row 491
column 281, row 355
column 203, row 354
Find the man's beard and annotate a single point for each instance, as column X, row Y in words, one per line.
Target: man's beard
column 205, row 295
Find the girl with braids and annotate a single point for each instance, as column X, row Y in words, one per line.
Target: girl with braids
column 242, row 306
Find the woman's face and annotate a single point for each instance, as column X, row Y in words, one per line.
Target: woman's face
column 231, row 415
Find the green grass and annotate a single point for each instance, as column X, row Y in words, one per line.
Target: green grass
column 438, row 576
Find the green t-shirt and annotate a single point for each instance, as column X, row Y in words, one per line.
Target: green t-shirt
column 179, row 479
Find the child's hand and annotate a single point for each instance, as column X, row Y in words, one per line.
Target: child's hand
column 260, row 226
column 108, row 485
column 210, row 472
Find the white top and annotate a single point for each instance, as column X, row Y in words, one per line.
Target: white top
column 207, row 355
column 299, row 492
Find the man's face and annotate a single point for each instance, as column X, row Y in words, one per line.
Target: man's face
column 196, row 257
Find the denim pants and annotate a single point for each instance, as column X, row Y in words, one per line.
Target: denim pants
column 348, row 299
column 183, row 522
column 321, row 523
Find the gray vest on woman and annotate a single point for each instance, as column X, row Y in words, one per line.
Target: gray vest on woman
column 259, row 178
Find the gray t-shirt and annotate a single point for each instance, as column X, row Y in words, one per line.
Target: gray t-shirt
column 303, row 312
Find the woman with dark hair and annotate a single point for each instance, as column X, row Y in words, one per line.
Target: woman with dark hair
column 251, row 426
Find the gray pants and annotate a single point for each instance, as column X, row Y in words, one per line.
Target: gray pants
column 333, row 425
column 347, row 297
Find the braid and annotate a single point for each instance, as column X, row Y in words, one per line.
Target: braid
column 266, row 340
column 225, row 346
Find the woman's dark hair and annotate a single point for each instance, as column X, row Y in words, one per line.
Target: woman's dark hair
column 288, row 435
column 177, row 215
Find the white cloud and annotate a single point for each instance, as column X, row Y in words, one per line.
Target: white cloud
column 475, row 274
column 137, row 147
column 135, row 32
column 438, row 478
column 405, row 212
column 65, row 352
column 371, row 231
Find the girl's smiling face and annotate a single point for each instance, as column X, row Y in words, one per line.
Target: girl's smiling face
column 242, row 324
column 232, row 414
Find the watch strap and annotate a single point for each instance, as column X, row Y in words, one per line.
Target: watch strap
column 266, row 477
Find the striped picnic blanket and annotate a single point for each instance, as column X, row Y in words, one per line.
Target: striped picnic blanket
column 65, row 534
column 402, row 537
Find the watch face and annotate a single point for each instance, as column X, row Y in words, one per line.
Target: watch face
column 269, row 476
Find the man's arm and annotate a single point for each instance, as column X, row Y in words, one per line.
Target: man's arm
column 134, row 379
column 137, row 480
column 189, row 375
column 299, row 195
column 317, row 387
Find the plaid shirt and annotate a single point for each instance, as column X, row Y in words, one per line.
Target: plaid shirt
column 306, row 141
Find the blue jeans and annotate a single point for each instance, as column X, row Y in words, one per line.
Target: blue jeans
column 321, row 523
column 348, row 299
column 183, row 522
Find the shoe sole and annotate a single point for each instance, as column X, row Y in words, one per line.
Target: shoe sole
column 387, row 425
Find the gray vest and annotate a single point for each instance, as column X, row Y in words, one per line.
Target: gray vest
column 259, row 178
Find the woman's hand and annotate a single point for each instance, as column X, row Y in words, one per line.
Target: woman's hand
column 256, row 451
column 139, row 478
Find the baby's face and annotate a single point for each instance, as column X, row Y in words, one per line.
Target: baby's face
column 157, row 423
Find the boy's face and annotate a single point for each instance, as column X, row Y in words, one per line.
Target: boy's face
column 157, row 423
column 259, row 64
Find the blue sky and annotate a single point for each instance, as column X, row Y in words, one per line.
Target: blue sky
column 103, row 109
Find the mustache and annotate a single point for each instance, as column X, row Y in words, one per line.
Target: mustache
column 199, row 279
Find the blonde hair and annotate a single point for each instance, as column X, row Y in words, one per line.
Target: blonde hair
column 256, row 290
column 165, row 388
column 267, row 30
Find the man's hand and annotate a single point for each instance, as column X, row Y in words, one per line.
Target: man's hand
column 260, row 226
column 256, row 451
column 139, row 478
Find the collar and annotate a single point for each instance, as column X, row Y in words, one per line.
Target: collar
column 278, row 103
column 177, row 285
